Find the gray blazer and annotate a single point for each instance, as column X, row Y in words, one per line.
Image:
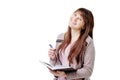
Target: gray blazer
column 89, row 57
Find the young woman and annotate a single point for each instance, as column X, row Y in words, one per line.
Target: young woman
column 75, row 47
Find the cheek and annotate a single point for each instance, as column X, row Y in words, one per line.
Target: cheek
column 70, row 20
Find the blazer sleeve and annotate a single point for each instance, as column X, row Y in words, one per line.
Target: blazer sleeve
column 59, row 39
column 88, row 65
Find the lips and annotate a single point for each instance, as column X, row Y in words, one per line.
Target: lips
column 74, row 23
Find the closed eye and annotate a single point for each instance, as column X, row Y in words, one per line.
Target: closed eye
column 80, row 19
column 75, row 14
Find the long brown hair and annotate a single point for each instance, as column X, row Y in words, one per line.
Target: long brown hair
column 77, row 49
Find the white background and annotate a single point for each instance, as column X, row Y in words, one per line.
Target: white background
column 28, row 26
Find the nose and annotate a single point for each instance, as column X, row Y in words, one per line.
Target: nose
column 75, row 19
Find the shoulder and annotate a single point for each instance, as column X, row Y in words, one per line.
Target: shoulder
column 59, row 39
column 61, row 36
column 89, row 40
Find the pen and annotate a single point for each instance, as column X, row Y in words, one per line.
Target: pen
column 50, row 45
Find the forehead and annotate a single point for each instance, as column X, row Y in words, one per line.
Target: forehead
column 78, row 12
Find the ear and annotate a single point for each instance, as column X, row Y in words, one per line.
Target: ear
column 83, row 27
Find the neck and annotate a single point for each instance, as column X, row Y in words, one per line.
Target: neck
column 74, row 35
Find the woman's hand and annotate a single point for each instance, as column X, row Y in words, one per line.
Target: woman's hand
column 58, row 73
column 51, row 53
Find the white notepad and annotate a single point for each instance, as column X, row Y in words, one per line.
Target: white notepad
column 58, row 67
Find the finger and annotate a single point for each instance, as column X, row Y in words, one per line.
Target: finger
column 52, row 49
column 60, row 72
column 51, row 52
column 51, row 70
column 50, row 55
column 54, row 72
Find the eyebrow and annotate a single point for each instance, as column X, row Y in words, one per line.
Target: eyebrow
column 79, row 16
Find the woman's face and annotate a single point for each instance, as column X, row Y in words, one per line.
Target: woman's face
column 76, row 21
